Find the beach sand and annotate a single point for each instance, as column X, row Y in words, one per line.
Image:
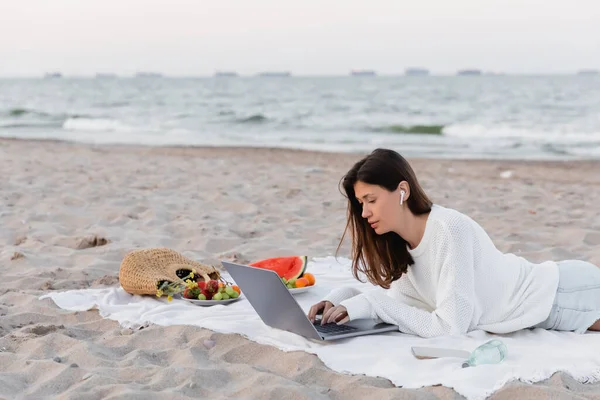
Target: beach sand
column 70, row 212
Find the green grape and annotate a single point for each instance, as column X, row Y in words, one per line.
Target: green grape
column 218, row 296
column 201, row 296
column 225, row 296
column 235, row 295
column 229, row 290
column 292, row 282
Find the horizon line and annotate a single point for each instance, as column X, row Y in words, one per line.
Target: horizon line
column 289, row 74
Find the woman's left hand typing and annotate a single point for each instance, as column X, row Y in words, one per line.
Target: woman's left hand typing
column 337, row 314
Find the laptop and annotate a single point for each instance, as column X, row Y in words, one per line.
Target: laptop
column 278, row 308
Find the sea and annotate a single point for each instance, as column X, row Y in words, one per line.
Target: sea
column 486, row 116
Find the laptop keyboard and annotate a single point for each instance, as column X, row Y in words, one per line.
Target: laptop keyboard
column 332, row 327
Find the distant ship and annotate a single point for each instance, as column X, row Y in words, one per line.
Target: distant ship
column 148, row 75
column 416, row 71
column 51, row 75
column 469, row 72
column 226, row 74
column 362, row 72
column 588, row 72
column 275, row 74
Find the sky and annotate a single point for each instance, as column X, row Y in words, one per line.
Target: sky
column 308, row 37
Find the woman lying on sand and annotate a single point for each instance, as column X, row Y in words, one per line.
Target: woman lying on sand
column 441, row 272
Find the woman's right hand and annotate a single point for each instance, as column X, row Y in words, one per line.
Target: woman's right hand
column 320, row 308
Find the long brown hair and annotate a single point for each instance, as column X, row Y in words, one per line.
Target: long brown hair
column 382, row 258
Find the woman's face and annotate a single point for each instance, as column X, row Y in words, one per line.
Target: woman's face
column 380, row 207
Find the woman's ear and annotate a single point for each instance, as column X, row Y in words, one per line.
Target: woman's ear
column 403, row 187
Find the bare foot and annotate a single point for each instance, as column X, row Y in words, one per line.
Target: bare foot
column 595, row 327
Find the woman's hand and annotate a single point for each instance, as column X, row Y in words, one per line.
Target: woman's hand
column 337, row 314
column 320, row 308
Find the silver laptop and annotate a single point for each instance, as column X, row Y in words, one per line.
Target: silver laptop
column 278, row 308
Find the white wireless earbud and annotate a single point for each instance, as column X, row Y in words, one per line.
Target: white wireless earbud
column 402, row 193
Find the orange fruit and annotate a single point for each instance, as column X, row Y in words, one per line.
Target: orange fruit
column 237, row 289
column 301, row 282
column 310, row 278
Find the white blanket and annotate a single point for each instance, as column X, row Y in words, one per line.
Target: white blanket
column 533, row 355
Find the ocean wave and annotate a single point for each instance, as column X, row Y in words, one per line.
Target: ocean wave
column 418, row 129
column 253, row 119
column 30, row 124
column 535, row 134
column 23, row 118
column 22, row 112
column 95, row 125
column 113, row 104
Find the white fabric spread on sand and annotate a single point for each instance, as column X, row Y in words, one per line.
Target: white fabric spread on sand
column 533, row 355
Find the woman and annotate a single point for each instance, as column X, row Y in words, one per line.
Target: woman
column 441, row 272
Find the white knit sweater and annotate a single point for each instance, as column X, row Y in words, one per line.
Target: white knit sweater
column 458, row 283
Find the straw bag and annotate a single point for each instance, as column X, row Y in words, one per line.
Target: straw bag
column 142, row 270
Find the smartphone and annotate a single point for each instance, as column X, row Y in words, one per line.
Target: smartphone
column 427, row 353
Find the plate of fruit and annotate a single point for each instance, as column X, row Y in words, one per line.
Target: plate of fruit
column 212, row 293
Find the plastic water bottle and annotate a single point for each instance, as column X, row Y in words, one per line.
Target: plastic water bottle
column 492, row 352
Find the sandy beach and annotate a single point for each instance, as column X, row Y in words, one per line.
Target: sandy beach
column 70, row 212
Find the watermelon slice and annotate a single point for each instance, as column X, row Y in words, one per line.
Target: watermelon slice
column 286, row 267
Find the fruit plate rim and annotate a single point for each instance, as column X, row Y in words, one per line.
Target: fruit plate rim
column 211, row 302
column 301, row 290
